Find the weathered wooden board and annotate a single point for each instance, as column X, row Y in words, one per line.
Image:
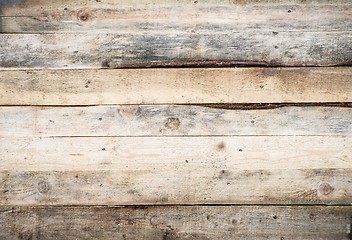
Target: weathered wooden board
column 176, row 17
column 141, row 153
column 172, row 33
column 218, row 182
column 226, row 48
column 175, row 86
column 176, row 170
column 176, row 223
column 171, row 120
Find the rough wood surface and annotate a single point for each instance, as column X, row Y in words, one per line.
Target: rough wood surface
column 176, row 223
column 173, row 33
column 175, row 86
column 176, row 170
column 170, row 120
column 115, row 50
column 126, row 153
column 219, row 182
column 175, row 17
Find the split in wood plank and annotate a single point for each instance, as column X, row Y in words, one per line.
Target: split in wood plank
column 176, row 222
column 171, row 120
column 175, row 86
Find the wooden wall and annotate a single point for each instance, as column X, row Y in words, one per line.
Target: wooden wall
column 202, row 119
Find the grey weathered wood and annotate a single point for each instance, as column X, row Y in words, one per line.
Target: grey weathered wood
column 175, row 86
column 176, row 170
column 170, row 120
column 207, row 48
column 175, row 33
column 182, row 222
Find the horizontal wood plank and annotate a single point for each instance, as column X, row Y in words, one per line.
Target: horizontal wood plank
column 176, row 17
column 186, row 183
column 171, row 120
column 141, row 153
column 175, row 86
column 176, row 170
column 173, row 33
column 116, row 50
column 182, row 222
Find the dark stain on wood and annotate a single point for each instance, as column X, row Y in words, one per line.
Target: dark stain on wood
column 4, row 3
column 221, row 146
column 224, row 174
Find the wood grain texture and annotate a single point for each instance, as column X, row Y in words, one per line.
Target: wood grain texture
column 171, row 120
column 176, row 223
column 186, row 183
column 176, row 170
column 140, row 153
column 115, row 50
column 175, row 86
column 185, row 33
column 176, row 17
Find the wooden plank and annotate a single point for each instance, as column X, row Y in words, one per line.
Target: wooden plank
column 140, row 153
column 181, row 33
column 219, row 182
column 170, row 120
column 176, row 170
column 176, row 17
column 207, row 48
column 175, row 86
column 176, row 222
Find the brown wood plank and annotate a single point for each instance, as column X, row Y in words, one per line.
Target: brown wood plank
column 176, row 17
column 176, row 222
column 175, row 86
column 170, row 184
column 176, row 170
